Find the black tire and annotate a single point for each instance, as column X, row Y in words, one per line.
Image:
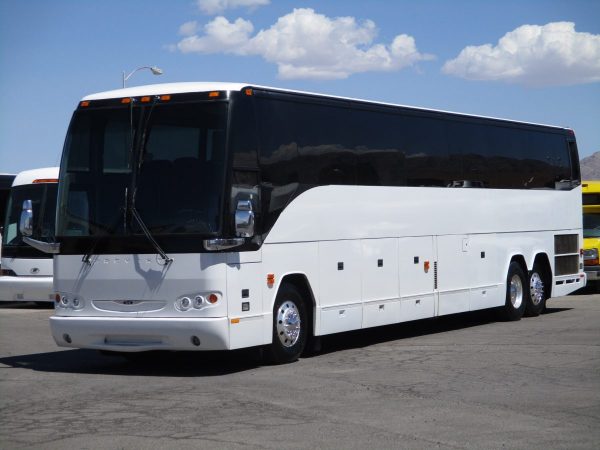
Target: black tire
column 290, row 327
column 537, row 292
column 516, row 288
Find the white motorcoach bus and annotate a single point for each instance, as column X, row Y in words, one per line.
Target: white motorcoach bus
column 205, row 216
column 26, row 271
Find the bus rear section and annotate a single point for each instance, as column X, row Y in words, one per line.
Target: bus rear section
column 26, row 271
column 591, row 228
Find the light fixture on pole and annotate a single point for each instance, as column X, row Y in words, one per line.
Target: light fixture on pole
column 155, row 71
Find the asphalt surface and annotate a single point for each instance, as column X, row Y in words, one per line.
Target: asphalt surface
column 465, row 381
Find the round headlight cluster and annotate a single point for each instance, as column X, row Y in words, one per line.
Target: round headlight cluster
column 196, row 302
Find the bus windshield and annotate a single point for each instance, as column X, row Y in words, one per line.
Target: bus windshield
column 165, row 160
column 591, row 225
column 43, row 202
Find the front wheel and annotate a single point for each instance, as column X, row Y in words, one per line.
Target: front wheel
column 516, row 283
column 537, row 292
column 290, row 327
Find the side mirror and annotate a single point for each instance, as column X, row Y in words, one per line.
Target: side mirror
column 244, row 219
column 26, row 221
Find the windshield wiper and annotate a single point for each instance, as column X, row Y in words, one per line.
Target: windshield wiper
column 138, row 218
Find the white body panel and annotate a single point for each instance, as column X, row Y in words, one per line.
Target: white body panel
column 33, row 280
column 471, row 234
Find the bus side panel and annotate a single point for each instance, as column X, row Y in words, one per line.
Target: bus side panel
column 340, row 285
column 454, row 276
column 380, row 289
column 486, row 270
column 417, row 277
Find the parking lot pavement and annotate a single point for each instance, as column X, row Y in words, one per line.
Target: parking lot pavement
column 464, row 381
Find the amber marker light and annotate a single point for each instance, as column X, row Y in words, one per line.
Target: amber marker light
column 213, row 94
column 45, row 180
column 84, row 104
column 165, row 98
column 248, row 92
column 426, row 266
column 270, row 279
column 145, row 99
column 126, row 100
column 235, row 320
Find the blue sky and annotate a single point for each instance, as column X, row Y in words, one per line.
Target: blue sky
column 536, row 61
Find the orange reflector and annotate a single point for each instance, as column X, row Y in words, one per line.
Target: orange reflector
column 270, row 278
column 213, row 94
column 212, row 298
column 165, row 98
column 248, row 91
column 126, row 100
column 235, row 320
column 84, row 104
column 45, row 180
column 426, row 266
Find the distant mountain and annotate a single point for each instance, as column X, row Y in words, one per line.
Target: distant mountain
column 590, row 167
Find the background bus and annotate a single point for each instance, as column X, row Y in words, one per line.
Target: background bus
column 204, row 216
column 5, row 184
column 591, row 228
column 26, row 271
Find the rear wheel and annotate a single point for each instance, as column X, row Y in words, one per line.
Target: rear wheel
column 514, row 308
column 290, row 327
column 537, row 292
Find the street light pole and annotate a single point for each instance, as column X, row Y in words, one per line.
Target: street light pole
column 155, row 71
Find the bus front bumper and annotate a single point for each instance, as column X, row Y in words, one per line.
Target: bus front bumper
column 26, row 289
column 124, row 334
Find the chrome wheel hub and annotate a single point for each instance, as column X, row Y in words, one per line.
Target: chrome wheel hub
column 536, row 288
column 288, row 324
column 516, row 291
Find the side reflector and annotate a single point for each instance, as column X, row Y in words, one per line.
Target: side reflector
column 426, row 266
column 270, row 279
column 213, row 94
column 45, row 180
column 248, row 92
column 235, row 320
column 84, row 104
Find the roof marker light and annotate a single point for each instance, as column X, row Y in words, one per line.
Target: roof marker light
column 84, row 104
column 213, row 94
column 165, row 98
column 126, row 100
column 145, row 99
column 45, row 180
column 248, row 91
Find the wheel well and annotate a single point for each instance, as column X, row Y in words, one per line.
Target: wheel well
column 519, row 259
column 300, row 282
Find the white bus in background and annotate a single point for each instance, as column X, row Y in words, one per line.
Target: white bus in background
column 5, row 184
column 208, row 216
column 26, row 271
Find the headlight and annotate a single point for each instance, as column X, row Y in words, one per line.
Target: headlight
column 68, row 301
column 196, row 301
column 183, row 303
column 590, row 253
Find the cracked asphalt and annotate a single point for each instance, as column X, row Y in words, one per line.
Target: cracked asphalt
column 464, row 381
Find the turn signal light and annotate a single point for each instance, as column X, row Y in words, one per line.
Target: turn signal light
column 212, row 298
column 591, row 262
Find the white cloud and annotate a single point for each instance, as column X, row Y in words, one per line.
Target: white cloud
column 212, row 7
column 220, row 35
column 305, row 44
column 189, row 28
column 552, row 54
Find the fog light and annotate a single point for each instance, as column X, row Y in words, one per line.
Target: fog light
column 196, row 341
column 67, row 338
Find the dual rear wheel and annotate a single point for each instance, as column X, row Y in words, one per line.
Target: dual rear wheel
column 524, row 295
